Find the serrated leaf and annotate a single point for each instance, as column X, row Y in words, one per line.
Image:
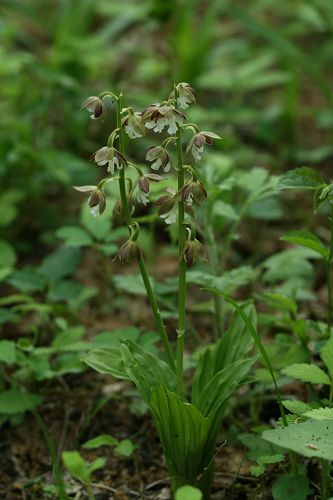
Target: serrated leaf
column 303, row 177
column 307, row 240
column 307, row 373
column 326, row 354
column 313, row 438
column 320, row 414
column 102, row 440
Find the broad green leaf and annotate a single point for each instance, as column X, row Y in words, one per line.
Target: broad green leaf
column 102, row 440
column 295, row 406
column 307, row 373
column 183, row 431
column 99, row 227
column 7, row 351
column 188, row 493
column 65, row 290
column 125, row 448
column 326, row 354
column 320, row 414
column 60, row 263
column 279, row 301
column 289, row 263
column 224, row 210
column 308, row 240
column 74, row 236
column 8, row 255
column 97, row 464
column 313, row 438
column 291, row 487
column 132, row 284
column 259, row 450
column 14, row 401
column 303, row 177
column 27, row 280
column 108, row 361
column 68, row 337
column 76, row 466
column 146, row 370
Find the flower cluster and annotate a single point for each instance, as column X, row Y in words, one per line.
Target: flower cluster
column 158, row 116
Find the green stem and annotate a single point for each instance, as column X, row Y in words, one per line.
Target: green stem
column 325, row 478
column 330, row 278
column 143, row 269
column 181, row 271
column 90, row 491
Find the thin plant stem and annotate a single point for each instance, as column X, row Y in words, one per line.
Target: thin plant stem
column 142, row 266
column 59, row 480
column 330, row 277
column 325, row 478
column 181, row 271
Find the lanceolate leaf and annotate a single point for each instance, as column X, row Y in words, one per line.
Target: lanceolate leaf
column 307, row 373
column 146, row 370
column 107, row 361
column 233, row 346
column 313, row 438
column 308, row 240
column 304, row 178
column 183, row 431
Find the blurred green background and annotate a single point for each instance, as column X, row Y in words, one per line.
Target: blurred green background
column 262, row 70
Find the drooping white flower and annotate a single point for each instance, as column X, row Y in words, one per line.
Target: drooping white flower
column 96, row 200
column 133, row 125
column 198, row 141
column 160, row 158
column 156, row 117
column 142, row 197
column 111, row 157
column 94, row 105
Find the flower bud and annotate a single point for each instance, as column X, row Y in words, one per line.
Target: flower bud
column 185, row 95
column 133, row 125
column 128, row 252
column 194, row 250
column 96, row 200
column 194, row 191
column 95, row 105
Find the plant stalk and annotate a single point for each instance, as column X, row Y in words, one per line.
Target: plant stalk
column 330, row 278
column 143, row 269
column 181, row 272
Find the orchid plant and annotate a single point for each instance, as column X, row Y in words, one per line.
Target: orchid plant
column 188, row 426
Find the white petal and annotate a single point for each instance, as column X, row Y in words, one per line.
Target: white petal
column 157, row 164
column 151, row 124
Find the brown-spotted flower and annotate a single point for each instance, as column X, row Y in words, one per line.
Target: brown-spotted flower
column 168, row 207
column 96, row 200
column 158, row 116
column 111, row 157
column 142, row 194
column 194, row 190
column 128, row 252
column 185, row 95
column 198, row 141
column 194, row 250
column 160, row 157
column 94, row 105
column 133, row 125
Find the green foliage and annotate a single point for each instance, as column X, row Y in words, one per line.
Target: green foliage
column 307, row 240
column 313, row 438
column 304, row 178
column 307, row 373
column 188, row 493
column 14, row 401
column 293, row 487
column 260, row 452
